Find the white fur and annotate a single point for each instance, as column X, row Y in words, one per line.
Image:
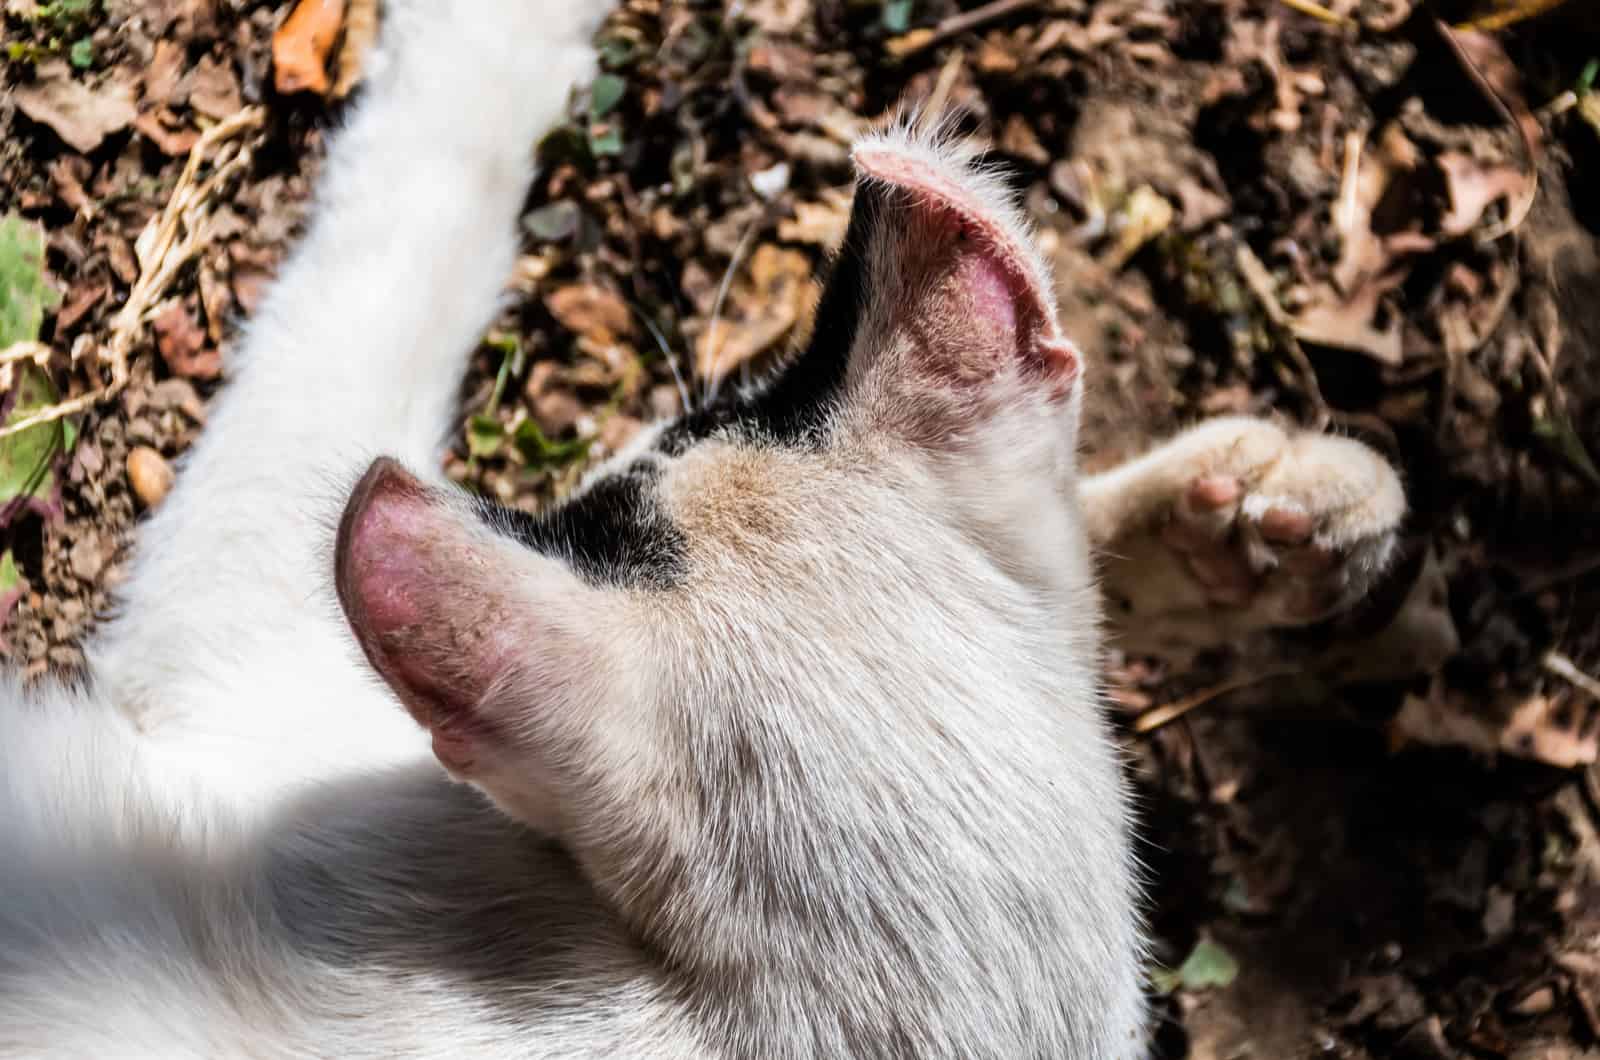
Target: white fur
column 848, row 779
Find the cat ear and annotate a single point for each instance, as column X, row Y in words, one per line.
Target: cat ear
column 464, row 626
column 938, row 283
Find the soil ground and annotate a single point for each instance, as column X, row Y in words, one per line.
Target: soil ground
column 1357, row 218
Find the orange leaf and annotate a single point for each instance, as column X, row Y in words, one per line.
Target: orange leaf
column 301, row 46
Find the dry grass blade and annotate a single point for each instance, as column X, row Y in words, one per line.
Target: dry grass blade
column 1568, row 671
column 1156, row 717
column 170, row 241
column 1317, row 11
column 1513, row 12
column 922, row 39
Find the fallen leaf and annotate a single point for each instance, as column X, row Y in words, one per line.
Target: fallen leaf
column 1331, row 319
column 172, row 143
column 553, row 222
column 163, row 73
column 821, row 224
column 83, row 298
column 1473, row 187
column 1143, row 216
column 1498, row 78
column 11, row 588
column 214, row 89
column 591, row 312
column 766, row 305
column 301, row 46
column 81, row 116
column 1208, row 965
column 28, row 458
column 182, row 343
column 360, row 34
column 24, row 293
column 1536, row 727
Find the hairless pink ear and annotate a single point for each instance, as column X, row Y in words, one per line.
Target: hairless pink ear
column 959, row 213
column 398, row 571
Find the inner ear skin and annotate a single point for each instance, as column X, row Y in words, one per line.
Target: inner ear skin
column 417, row 651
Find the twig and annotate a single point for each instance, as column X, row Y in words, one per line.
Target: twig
column 921, row 39
column 933, row 110
column 37, row 352
column 1511, row 16
column 1317, row 11
column 1156, row 717
column 713, row 380
column 55, row 412
column 1565, row 669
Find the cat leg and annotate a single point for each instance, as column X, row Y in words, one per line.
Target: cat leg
column 228, row 641
column 1237, row 526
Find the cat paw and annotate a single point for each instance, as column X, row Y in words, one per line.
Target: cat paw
column 1240, row 525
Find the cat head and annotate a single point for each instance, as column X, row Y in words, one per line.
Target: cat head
column 812, row 660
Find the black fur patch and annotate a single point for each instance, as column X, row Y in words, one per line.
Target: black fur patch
column 612, row 534
column 795, row 407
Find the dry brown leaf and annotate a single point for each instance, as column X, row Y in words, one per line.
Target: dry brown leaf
column 822, row 223
column 214, row 89
column 182, row 343
column 360, row 33
column 301, row 46
column 164, row 71
column 81, row 116
column 172, row 143
column 1537, row 727
column 1498, row 78
column 776, row 296
column 592, row 312
column 1331, row 319
column 1474, row 186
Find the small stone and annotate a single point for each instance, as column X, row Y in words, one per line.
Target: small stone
column 150, row 476
column 86, row 558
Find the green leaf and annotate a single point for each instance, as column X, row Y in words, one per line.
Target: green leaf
column 617, row 53
column 604, row 95
column 484, row 436
column 24, row 294
column 564, row 144
column 897, row 15
column 541, row 452
column 511, row 364
column 1208, row 965
column 82, row 53
column 606, row 141
column 1557, row 437
column 10, row 586
column 554, row 222
column 28, row 458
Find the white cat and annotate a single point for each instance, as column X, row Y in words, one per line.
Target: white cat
column 781, row 739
